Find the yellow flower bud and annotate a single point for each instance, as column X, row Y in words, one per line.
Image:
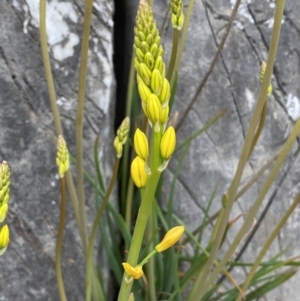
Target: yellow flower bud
column 123, row 130
column 154, row 50
column 164, row 115
column 145, row 47
column 149, row 39
column 4, row 238
column 153, row 108
column 171, row 237
column 135, row 273
column 180, row 21
column 144, row 91
column 156, row 81
column 3, row 212
column 165, row 93
column 138, row 173
column 145, row 73
column 118, row 147
column 160, row 66
column 140, row 142
column 4, row 182
column 149, row 60
column 263, row 67
column 140, row 55
column 62, row 157
column 168, row 142
column 261, row 77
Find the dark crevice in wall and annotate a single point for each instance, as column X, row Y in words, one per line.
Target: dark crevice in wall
column 124, row 18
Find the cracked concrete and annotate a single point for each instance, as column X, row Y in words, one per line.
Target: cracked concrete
column 28, row 145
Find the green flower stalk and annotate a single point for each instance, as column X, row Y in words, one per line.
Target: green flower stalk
column 62, row 156
column 177, row 17
column 121, row 137
column 4, row 238
column 154, row 90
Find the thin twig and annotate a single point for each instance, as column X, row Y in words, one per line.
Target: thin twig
column 212, row 65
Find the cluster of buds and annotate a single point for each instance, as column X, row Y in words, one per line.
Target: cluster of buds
column 121, row 137
column 263, row 67
column 153, row 87
column 62, row 156
column 154, row 90
column 4, row 199
column 170, row 239
column 177, row 18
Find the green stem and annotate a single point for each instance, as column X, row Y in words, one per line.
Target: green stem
column 260, row 126
column 94, row 231
column 281, row 157
column 146, row 206
column 128, row 209
column 59, row 239
column 173, row 55
column 80, row 114
column 201, row 285
column 150, row 265
column 267, row 245
column 54, row 108
column 124, row 171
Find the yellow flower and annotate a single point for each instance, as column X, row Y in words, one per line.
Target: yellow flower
column 135, row 273
column 4, row 239
column 168, row 143
column 141, row 144
column 62, row 157
column 171, row 237
column 138, row 173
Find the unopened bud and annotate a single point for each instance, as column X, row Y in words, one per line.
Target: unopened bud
column 140, row 142
column 156, row 81
column 149, row 60
column 62, row 156
column 4, row 239
column 144, row 91
column 145, row 73
column 171, row 238
column 153, row 108
column 165, row 93
column 3, row 212
column 168, row 143
column 138, row 172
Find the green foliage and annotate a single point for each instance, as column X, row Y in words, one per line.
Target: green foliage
column 132, row 236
